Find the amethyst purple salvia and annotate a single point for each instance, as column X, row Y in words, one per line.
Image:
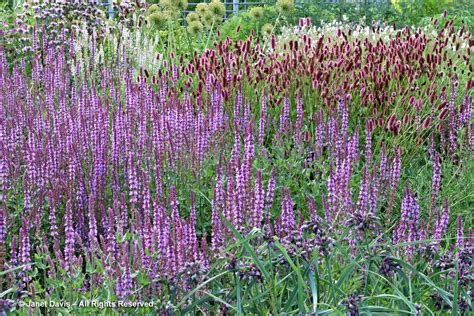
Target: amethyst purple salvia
column 99, row 155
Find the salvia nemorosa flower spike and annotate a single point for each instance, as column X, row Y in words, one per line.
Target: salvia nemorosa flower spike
column 270, row 190
column 3, row 232
column 218, row 207
column 394, row 179
column 287, row 213
column 70, row 237
column 193, row 245
column 263, row 115
column 442, row 221
column 460, row 234
column 435, row 184
column 298, row 132
column 259, row 200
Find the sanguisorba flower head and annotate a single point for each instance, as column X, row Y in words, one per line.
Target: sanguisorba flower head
column 157, row 19
column 195, row 27
column 217, row 8
column 202, row 8
column 191, row 17
column 285, row 6
column 256, row 13
column 267, row 28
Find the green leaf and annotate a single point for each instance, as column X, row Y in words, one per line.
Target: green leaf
column 300, row 283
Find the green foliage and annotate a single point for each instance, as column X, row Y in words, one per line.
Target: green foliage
column 399, row 12
column 240, row 25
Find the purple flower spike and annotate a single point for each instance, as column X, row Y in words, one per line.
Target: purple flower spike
column 442, row 222
column 270, row 190
column 69, row 242
column 259, row 195
column 218, row 205
column 287, row 213
column 263, row 117
column 435, row 185
column 460, row 235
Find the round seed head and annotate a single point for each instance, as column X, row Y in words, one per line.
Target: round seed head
column 167, row 4
column 202, row 8
column 191, row 17
column 208, row 19
column 217, row 8
column 195, row 27
column 256, row 13
column 285, row 6
column 157, row 19
column 181, row 4
column 267, row 28
column 153, row 8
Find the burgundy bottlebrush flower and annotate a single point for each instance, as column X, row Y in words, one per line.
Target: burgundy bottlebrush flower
column 427, row 122
column 443, row 114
